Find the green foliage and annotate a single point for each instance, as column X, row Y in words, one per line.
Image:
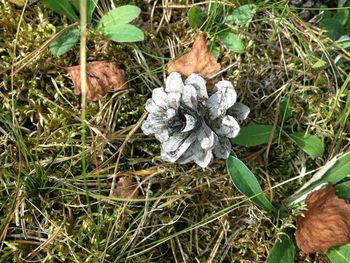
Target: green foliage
column 239, row 16
column 222, row 29
column 253, row 135
column 62, row 7
column 319, row 64
column 343, row 190
column 338, row 172
column 195, row 17
column 285, row 110
column 123, row 33
column 231, row 41
column 340, row 254
column 114, row 25
column 242, row 15
column 335, row 25
column 283, row 251
column 310, row 144
column 120, row 15
column 246, row 182
column 215, row 50
column 65, row 42
column 344, row 42
column 333, row 174
column 334, row 29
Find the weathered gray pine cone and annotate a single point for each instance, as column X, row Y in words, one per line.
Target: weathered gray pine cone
column 190, row 125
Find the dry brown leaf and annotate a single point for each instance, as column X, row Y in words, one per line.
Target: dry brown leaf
column 326, row 222
column 126, row 188
column 102, row 77
column 198, row 60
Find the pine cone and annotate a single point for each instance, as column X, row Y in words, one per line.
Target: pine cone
column 190, row 125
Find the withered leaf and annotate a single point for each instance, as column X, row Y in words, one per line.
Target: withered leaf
column 126, row 188
column 199, row 60
column 102, row 77
column 326, row 222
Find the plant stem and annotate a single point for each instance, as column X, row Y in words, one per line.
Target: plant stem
column 83, row 93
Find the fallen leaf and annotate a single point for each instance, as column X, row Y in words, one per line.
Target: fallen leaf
column 126, row 188
column 199, row 60
column 326, row 222
column 102, row 77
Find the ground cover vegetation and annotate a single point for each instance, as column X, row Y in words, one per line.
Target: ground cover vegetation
column 81, row 182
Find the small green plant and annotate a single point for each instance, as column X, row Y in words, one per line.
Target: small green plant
column 222, row 31
column 284, row 248
column 115, row 25
column 258, row 134
column 336, row 23
column 246, row 182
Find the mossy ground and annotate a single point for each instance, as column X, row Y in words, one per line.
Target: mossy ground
column 183, row 213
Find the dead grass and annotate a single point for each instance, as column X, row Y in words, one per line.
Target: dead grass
column 183, row 213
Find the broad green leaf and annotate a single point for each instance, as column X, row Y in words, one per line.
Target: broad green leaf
column 254, row 135
column 90, row 7
column 195, row 17
column 242, row 15
column 247, row 184
column 343, row 190
column 333, row 27
column 231, row 41
column 285, row 110
column 340, row 254
column 123, row 33
column 65, row 42
column 342, row 16
column 120, row 15
column 310, row 144
column 62, row 7
column 283, row 251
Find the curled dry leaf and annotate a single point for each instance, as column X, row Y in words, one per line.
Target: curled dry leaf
column 326, row 222
column 126, row 188
column 199, row 60
column 102, row 77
